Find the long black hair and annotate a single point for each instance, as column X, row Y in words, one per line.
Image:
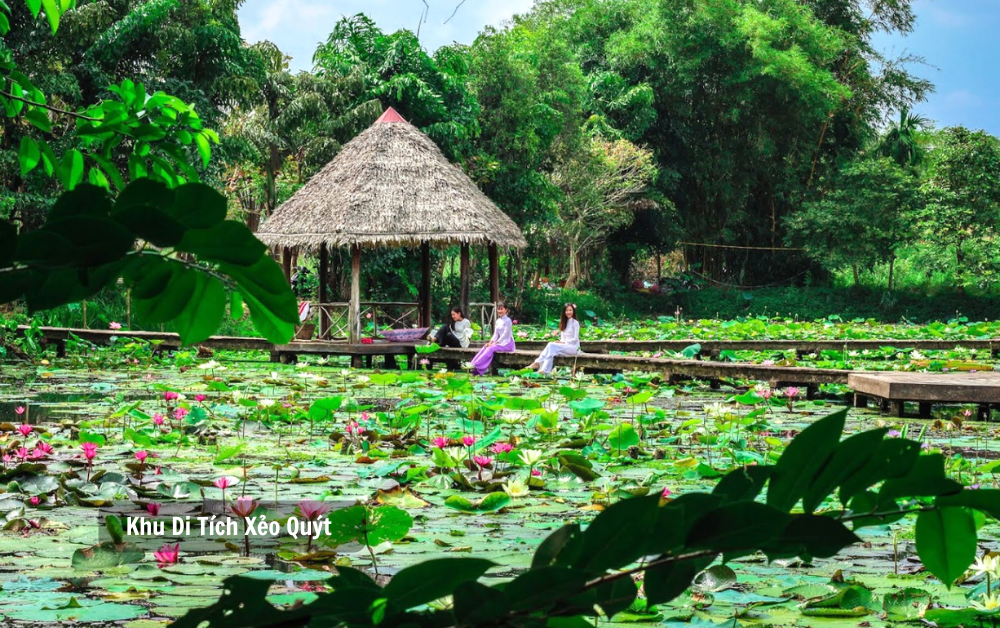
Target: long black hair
column 460, row 313
column 563, row 319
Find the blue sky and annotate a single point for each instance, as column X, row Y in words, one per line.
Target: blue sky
column 956, row 37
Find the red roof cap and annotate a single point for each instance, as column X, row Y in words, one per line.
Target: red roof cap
column 390, row 115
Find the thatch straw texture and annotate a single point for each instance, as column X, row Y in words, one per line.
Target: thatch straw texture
column 389, row 186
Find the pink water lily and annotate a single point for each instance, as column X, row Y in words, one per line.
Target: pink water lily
column 170, row 396
column 502, row 448
column 44, row 447
column 114, row 325
column 141, row 455
column 791, row 392
column 468, row 441
column 153, row 508
column 353, row 427
column 158, row 419
column 19, row 410
column 199, row 398
column 180, row 413
column 536, row 473
column 312, row 510
column 225, row 482
column 25, row 429
column 665, row 493
column 168, row 555
column 89, row 451
column 35, row 500
column 22, row 453
column 243, row 507
column 483, row 461
column 440, row 442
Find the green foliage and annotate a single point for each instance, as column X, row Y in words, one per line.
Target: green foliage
column 868, row 213
column 578, row 573
column 189, row 255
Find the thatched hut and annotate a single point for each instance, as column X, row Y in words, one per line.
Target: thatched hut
column 391, row 186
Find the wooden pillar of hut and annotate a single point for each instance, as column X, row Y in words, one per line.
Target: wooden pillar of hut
column 465, row 272
column 494, row 273
column 286, row 263
column 354, row 309
column 324, row 267
column 425, row 284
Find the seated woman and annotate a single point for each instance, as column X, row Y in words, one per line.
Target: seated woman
column 568, row 343
column 456, row 334
column 502, row 340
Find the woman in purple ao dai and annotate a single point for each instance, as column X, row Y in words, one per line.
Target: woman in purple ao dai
column 502, row 340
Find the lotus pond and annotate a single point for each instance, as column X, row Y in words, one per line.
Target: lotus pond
column 407, row 466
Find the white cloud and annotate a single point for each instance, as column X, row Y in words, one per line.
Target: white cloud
column 963, row 98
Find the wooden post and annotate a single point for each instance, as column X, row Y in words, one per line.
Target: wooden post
column 425, row 284
column 324, row 267
column 128, row 309
column 354, row 311
column 286, row 263
column 494, row 273
column 465, row 272
column 85, row 315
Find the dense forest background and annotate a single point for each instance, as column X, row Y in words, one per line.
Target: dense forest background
column 711, row 143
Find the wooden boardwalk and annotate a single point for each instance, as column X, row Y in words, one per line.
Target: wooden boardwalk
column 166, row 341
column 893, row 389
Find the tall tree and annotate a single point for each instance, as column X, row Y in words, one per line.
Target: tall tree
column 963, row 211
column 867, row 213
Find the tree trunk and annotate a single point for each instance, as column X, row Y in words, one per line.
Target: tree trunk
column 574, row 267
column 892, row 267
column 960, row 267
column 857, row 280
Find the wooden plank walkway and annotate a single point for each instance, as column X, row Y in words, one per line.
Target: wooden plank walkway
column 167, row 340
column 713, row 348
column 893, row 389
column 670, row 369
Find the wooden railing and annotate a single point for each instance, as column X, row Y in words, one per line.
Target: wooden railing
column 332, row 318
column 486, row 314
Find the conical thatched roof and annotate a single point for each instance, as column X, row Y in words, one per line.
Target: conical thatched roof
column 390, row 185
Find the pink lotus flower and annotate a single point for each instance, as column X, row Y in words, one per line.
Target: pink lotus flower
column 514, row 321
column 225, row 482
column 666, row 493
column 180, row 413
column 37, row 453
column 483, row 461
column 114, row 325
column 440, row 442
column 168, row 555
column 22, row 453
column 35, row 500
column 893, row 433
column 502, row 448
column 243, row 507
column 44, row 447
column 158, row 418
column 19, row 410
column 767, row 363
column 199, row 398
column 468, row 441
column 170, row 396
column 967, row 413
column 312, row 510
column 353, row 427
column 424, row 361
column 767, row 393
column 791, row 392
column 536, row 473
column 153, row 508
column 7, row 459
column 141, row 455
column 89, row 451
column 364, row 417
column 24, row 428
